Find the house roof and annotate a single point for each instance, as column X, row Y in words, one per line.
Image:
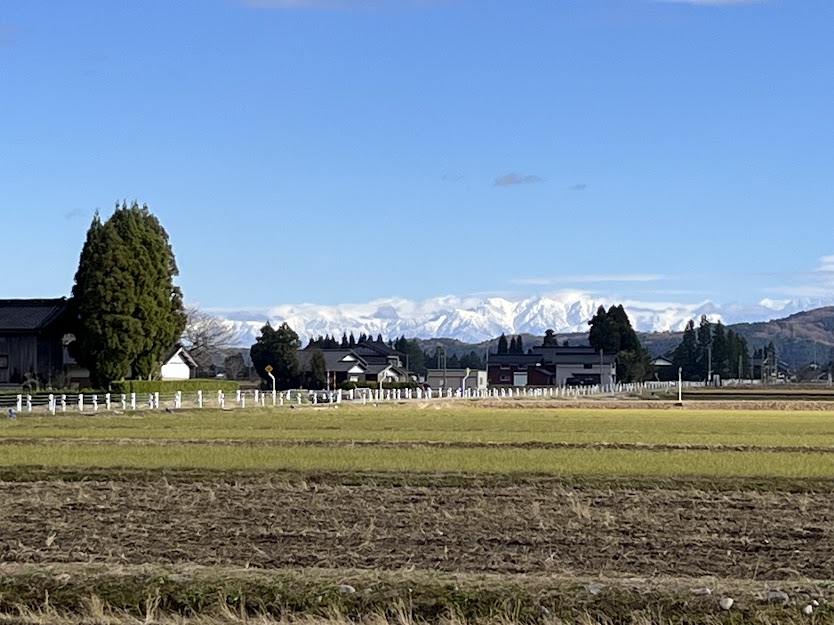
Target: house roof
column 368, row 347
column 662, row 361
column 179, row 349
column 514, row 359
column 334, row 359
column 30, row 315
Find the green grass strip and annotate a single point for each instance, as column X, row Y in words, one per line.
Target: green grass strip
column 425, row 459
column 458, row 423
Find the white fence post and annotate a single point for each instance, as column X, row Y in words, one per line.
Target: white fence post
column 63, row 403
column 95, row 402
column 156, row 400
column 107, row 400
column 133, row 401
column 81, row 402
column 124, row 401
column 51, row 403
column 199, row 399
column 19, row 403
column 28, row 403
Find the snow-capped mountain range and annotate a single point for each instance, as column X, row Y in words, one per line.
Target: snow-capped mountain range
column 476, row 319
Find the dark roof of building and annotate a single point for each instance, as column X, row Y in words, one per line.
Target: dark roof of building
column 334, row 359
column 564, row 349
column 513, row 359
column 30, row 315
column 382, row 349
column 187, row 358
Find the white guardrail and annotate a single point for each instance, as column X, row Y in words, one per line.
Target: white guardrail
column 54, row 403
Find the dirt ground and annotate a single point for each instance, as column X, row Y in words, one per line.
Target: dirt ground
column 504, row 527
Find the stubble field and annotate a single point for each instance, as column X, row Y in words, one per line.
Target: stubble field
column 408, row 513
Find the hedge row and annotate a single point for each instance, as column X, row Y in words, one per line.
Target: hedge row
column 172, row 386
column 374, row 385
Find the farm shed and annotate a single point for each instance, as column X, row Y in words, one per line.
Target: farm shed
column 31, row 339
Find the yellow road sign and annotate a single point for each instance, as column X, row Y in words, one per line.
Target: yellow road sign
column 268, row 368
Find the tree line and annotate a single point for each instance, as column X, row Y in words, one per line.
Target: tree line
column 711, row 349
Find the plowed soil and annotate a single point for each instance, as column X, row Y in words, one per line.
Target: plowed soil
column 505, row 527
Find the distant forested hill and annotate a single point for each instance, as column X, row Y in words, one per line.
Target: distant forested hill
column 800, row 338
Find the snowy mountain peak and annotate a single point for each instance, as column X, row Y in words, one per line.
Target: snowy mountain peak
column 474, row 320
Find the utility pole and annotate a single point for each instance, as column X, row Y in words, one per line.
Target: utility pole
column 709, row 365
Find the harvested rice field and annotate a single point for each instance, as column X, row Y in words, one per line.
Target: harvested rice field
column 398, row 514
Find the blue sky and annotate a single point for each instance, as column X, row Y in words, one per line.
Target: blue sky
column 333, row 151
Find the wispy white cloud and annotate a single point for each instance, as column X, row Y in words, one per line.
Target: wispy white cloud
column 589, row 278
column 826, row 264
column 514, row 178
column 817, row 283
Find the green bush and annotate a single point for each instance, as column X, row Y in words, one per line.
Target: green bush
column 346, row 386
column 172, row 386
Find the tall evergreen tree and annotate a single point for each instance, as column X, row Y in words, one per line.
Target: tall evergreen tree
column 351, row 341
column 685, row 355
column 503, row 348
column 720, row 352
column 611, row 332
column 738, row 355
column 704, row 347
column 126, row 310
column 277, row 348
column 519, row 345
column 513, row 348
column 317, row 376
column 602, row 334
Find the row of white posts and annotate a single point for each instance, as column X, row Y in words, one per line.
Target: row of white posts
column 129, row 401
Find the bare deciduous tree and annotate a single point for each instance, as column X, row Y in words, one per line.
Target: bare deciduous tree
column 204, row 335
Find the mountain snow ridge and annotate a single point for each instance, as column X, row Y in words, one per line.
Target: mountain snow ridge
column 473, row 319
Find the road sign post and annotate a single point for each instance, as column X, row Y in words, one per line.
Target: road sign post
column 268, row 370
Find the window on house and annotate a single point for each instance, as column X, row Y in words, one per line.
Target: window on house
column 4, row 361
column 505, row 378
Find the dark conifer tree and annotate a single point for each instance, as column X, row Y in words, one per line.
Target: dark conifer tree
column 126, row 310
column 277, row 348
column 503, row 348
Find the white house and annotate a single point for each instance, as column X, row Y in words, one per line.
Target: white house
column 177, row 364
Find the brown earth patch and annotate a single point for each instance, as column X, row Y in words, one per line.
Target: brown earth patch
column 505, row 527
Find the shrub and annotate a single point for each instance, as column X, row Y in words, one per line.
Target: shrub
column 172, row 386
